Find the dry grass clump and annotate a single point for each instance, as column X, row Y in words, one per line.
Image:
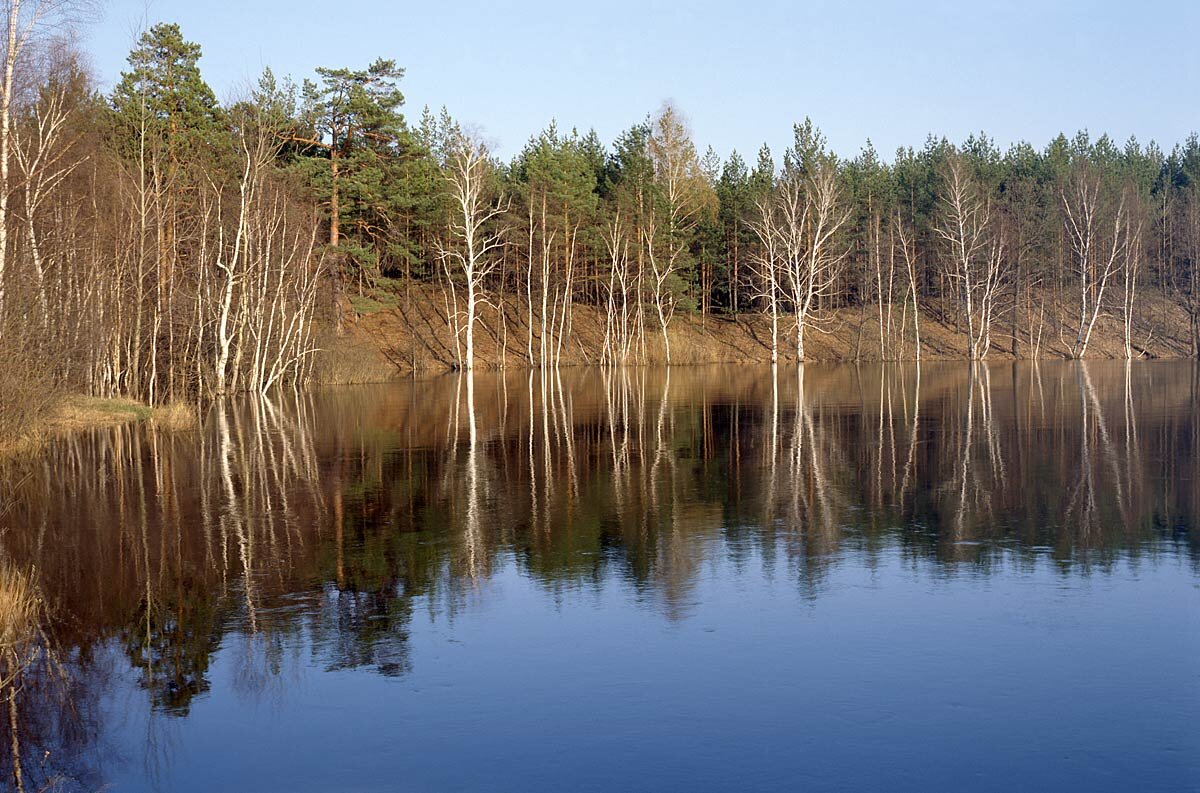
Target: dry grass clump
column 24, row 645
column 22, row 615
column 28, row 420
column 176, row 417
column 353, row 358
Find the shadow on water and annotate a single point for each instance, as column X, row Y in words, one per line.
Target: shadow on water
column 307, row 529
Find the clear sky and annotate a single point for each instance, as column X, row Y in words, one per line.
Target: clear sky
column 742, row 71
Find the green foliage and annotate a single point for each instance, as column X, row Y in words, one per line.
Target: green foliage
column 373, row 302
column 629, row 173
column 344, row 134
column 807, row 152
column 358, row 154
column 561, row 170
column 164, row 96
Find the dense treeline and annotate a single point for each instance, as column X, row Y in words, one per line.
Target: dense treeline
column 157, row 243
column 1012, row 247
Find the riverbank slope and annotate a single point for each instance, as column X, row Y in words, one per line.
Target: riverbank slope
column 390, row 332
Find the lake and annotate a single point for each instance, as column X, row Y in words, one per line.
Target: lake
column 891, row 577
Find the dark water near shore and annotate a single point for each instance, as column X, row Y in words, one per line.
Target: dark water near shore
column 836, row 578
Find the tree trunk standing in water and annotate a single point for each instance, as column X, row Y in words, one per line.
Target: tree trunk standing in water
column 884, row 289
column 1188, row 287
column 1097, row 235
column 813, row 216
column 618, row 338
column 529, row 293
column 474, row 255
column 910, row 266
column 1015, row 308
column 1019, row 277
column 767, row 267
column 1131, row 266
column 664, row 298
column 545, row 322
column 976, row 252
column 571, row 234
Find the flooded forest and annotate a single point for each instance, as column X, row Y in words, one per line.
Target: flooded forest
column 344, row 448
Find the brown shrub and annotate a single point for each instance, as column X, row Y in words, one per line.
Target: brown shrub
column 27, row 391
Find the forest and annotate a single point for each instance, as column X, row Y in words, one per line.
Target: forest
column 569, row 533
column 158, row 244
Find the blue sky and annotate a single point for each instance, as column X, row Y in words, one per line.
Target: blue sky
column 742, row 72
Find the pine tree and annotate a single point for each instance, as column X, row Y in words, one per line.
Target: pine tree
column 356, row 137
column 164, row 97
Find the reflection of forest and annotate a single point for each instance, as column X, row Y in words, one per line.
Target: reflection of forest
column 316, row 519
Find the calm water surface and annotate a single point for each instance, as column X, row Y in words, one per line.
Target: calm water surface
column 834, row 578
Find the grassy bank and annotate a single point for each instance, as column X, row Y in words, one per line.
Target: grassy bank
column 391, row 333
column 74, row 413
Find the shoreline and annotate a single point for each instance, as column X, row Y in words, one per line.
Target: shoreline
column 391, row 333
column 74, row 413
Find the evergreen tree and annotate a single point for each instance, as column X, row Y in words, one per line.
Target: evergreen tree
column 357, row 139
column 163, row 96
column 735, row 207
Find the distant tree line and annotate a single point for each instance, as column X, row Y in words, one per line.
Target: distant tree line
column 1011, row 247
column 157, row 243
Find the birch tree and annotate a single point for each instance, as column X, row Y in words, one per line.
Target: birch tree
column 1187, row 282
column 44, row 158
column 559, row 183
column 684, row 193
column 903, row 235
column 264, row 298
column 619, row 294
column 14, row 41
column 168, row 122
column 476, row 234
column 975, row 251
column 1131, row 266
column 23, row 20
column 1096, row 229
column 767, row 267
column 813, row 217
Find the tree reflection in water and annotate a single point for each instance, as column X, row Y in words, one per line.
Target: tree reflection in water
column 312, row 526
